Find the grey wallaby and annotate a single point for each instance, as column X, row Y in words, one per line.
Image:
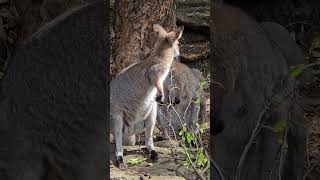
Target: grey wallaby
column 53, row 101
column 250, row 61
column 182, row 88
column 134, row 90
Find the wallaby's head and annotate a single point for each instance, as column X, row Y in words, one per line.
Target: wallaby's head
column 168, row 40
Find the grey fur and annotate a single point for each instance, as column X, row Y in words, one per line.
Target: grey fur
column 281, row 40
column 252, row 64
column 187, row 83
column 134, row 90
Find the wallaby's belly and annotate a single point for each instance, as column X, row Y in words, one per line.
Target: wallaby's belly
column 147, row 104
column 142, row 113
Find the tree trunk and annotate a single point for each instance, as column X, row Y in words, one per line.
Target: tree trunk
column 133, row 21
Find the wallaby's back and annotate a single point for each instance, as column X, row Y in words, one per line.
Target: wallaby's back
column 54, row 101
column 131, row 90
column 282, row 40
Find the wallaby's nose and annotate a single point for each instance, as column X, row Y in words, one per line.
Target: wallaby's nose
column 176, row 100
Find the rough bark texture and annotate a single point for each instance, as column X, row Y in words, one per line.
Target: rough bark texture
column 133, row 32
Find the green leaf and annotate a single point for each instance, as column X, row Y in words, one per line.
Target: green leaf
column 280, row 126
column 189, row 137
column 184, row 127
column 197, row 101
column 201, row 158
column 202, row 83
column 203, row 127
column 135, row 161
column 180, row 132
column 296, row 71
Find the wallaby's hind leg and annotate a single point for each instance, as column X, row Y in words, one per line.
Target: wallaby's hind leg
column 118, row 126
column 150, row 123
column 129, row 140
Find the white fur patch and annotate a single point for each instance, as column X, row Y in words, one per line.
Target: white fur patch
column 125, row 69
column 150, row 98
column 120, row 153
column 146, row 107
column 149, row 144
column 163, row 77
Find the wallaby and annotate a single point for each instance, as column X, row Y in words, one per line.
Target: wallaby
column 250, row 63
column 54, row 101
column 134, row 90
column 182, row 87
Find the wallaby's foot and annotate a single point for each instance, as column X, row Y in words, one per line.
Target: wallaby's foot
column 120, row 163
column 154, row 155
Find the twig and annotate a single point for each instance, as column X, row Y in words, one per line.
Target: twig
column 218, row 84
column 247, row 147
column 307, row 149
column 193, row 166
column 171, row 109
column 274, row 164
column 312, row 64
column 298, row 22
column 286, row 131
column 281, row 153
column 217, row 168
column 311, row 169
column 208, row 164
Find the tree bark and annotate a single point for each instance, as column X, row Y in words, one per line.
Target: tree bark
column 134, row 37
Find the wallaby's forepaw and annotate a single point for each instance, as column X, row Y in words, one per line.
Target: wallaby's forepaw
column 154, row 155
column 160, row 99
column 120, row 163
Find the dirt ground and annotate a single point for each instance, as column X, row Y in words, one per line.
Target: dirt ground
column 169, row 166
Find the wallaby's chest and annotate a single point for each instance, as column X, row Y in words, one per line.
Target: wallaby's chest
column 146, row 104
column 165, row 74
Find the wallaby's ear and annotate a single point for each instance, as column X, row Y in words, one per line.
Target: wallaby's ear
column 179, row 31
column 175, row 35
column 158, row 28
